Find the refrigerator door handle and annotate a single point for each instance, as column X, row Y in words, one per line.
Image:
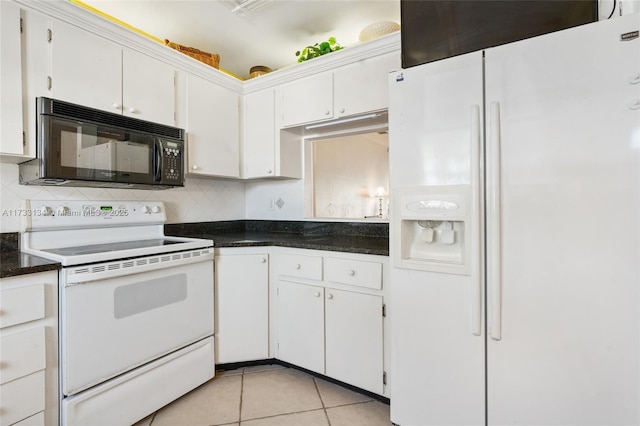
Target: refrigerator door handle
column 493, row 224
column 476, row 258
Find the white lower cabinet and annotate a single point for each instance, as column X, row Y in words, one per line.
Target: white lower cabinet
column 29, row 349
column 242, row 306
column 301, row 325
column 328, row 327
column 353, row 338
column 324, row 313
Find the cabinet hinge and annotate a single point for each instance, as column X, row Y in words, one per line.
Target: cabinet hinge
column 49, row 83
column 21, row 25
column 49, row 35
column 384, row 377
column 24, row 139
column 384, row 310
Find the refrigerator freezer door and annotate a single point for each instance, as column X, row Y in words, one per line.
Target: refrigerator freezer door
column 570, row 229
column 437, row 374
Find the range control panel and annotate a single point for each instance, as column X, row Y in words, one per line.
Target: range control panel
column 50, row 214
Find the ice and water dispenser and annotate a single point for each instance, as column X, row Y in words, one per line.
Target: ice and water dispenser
column 433, row 228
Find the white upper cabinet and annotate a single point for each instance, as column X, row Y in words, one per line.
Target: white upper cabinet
column 259, row 134
column 25, row 65
column 86, row 69
column 11, row 120
column 94, row 72
column 148, row 90
column 305, row 100
column 351, row 89
column 268, row 152
column 213, row 129
column 363, row 86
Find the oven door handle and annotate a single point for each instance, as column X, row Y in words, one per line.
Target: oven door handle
column 157, row 160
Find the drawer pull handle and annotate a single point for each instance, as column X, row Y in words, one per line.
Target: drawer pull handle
column 330, row 296
column 316, row 294
column 351, row 272
column 298, row 266
column 263, row 260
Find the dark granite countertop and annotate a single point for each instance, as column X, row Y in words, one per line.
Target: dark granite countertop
column 14, row 263
column 350, row 237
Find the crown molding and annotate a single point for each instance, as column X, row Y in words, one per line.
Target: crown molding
column 75, row 15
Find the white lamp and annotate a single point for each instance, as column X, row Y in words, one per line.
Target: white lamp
column 380, row 193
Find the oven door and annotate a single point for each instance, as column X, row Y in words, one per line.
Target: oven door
column 120, row 315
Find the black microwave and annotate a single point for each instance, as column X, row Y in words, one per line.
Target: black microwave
column 80, row 146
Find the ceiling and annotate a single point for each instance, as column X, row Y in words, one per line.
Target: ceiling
column 259, row 32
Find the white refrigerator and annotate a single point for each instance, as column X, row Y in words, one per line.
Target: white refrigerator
column 515, row 233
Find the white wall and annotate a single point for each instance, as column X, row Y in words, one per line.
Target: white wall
column 201, row 200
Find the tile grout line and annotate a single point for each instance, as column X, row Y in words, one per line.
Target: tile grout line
column 241, row 397
column 324, row 407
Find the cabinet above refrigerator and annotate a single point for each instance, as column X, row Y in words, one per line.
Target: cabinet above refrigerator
column 433, row 30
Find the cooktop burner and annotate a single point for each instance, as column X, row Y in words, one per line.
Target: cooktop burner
column 110, row 247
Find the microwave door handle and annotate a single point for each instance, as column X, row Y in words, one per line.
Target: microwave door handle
column 157, row 160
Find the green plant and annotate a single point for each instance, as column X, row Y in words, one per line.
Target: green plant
column 318, row 49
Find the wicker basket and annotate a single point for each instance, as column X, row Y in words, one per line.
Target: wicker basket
column 212, row 59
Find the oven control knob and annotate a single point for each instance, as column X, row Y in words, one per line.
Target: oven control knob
column 155, row 209
column 46, row 211
column 62, row 211
column 144, row 209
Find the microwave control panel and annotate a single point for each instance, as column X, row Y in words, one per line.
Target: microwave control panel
column 171, row 162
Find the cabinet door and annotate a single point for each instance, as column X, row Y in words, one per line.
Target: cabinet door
column 301, row 325
column 86, row 69
column 354, row 343
column 306, row 100
column 259, row 134
column 213, row 129
column 11, row 123
column 364, row 85
column 148, row 89
column 242, row 307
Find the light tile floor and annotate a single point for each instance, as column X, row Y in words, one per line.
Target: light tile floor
column 270, row 395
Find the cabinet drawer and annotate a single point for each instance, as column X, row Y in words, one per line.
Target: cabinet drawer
column 22, row 304
column 22, row 354
column 354, row 272
column 22, row 398
column 294, row 265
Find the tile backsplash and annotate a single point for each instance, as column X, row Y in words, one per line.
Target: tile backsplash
column 200, row 200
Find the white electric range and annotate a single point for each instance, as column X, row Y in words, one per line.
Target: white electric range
column 136, row 314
